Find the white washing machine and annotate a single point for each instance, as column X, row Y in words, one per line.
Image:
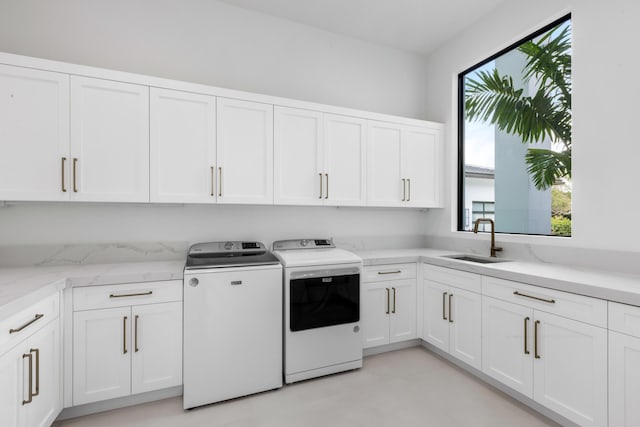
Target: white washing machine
column 232, row 322
column 321, row 308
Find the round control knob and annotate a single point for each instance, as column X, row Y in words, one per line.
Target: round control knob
column 304, row 243
column 228, row 245
column 193, row 282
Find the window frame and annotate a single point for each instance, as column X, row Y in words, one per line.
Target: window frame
column 460, row 214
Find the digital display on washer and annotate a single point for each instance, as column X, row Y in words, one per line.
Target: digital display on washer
column 323, row 242
column 317, row 302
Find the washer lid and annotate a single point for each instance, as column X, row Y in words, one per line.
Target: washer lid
column 303, row 257
column 228, row 254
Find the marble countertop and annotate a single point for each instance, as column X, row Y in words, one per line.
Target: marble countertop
column 609, row 285
column 21, row 287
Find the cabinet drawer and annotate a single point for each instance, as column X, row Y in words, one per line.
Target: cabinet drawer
column 108, row 296
column 381, row 273
column 24, row 323
column 449, row 276
column 624, row 318
column 572, row 306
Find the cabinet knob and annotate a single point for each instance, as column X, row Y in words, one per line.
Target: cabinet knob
column 193, row 282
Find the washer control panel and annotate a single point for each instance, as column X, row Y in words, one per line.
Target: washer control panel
column 283, row 245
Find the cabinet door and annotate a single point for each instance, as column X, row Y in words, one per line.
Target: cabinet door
column 101, row 354
column 402, row 325
column 465, row 332
column 156, row 358
column 34, row 130
column 344, row 160
column 298, row 173
column 384, row 184
column 109, row 141
column 375, row 314
column 45, row 347
column 506, row 354
column 436, row 320
column 183, row 147
column 13, row 386
column 421, row 166
column 570, row 375
column 245, row 151
column 624, row 380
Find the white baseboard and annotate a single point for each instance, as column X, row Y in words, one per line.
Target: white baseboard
column 390, row 347
column 120, row 402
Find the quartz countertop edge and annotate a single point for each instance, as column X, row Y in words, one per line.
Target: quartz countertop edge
column 603, row 284
column 22, row 287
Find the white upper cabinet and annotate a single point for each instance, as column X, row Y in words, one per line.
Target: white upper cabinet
column 81, row 134
column 34, row 134
column 244, row 152
column 384, row 184
column 319, row 158
column 298, row 157
column 183, row 147
column 421, row 160
column 109, row 141
column 345, row 160
column 403, row 166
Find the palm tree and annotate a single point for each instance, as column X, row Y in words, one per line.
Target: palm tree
column 547, row 114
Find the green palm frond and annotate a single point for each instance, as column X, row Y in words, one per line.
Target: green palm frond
column 547, row 166
column 493, row 98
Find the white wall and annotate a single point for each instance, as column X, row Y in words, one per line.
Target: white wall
column 208, row 42
column 57, row 223
column 606, row 152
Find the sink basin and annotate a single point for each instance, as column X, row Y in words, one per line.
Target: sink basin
column 475, row 258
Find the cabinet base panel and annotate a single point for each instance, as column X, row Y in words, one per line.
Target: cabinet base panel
column 390, row 347
column 120, row 402
column 501, row 387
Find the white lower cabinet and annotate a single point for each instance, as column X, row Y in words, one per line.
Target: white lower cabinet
column 30, row 393
column 452, row 321
column 389, row 306
column 624, row 365
column 126, row 350
column 506, row 344
column 560, row 363
column 624, row 380
column 156, row 360
column 101, row 362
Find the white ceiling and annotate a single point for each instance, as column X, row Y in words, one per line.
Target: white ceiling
column 413, row 25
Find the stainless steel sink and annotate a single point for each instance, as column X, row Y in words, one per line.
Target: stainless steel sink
column 475, row 258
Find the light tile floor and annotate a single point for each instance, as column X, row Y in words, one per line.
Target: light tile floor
column 410, row 387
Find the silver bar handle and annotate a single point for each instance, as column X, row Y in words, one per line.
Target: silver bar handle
column 550, row 301
column 326, row 175
column 36, row 318
column 213, row 186
column 220, row 180
column 444, row 306
column 30, row 398
column 130, row 295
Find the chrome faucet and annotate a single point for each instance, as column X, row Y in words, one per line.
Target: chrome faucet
column 494, row 248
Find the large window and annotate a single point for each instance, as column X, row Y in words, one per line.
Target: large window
column 514, row 127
